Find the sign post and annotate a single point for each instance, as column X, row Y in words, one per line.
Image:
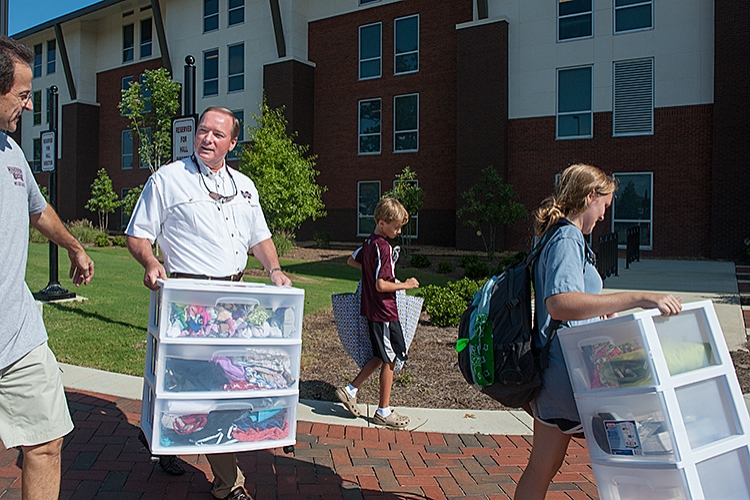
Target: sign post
column 53, row 291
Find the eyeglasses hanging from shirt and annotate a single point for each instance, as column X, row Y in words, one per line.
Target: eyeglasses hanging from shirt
column 215, row 196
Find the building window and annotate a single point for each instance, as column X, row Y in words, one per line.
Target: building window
column 368, row 195
column 365, row 2
column 210, row 15
column 369, row 126
column 128, row 42
column 37, row 68
column 236, row 153
column 236, row 12
column 574, row 103
column 236, row 67
column 406, row 122
column 574, row 19
column 633, row 15
column 37, row 102
column 211, row 72
column 146, row 93
column 406, row 45
column 146, row 38
column 51, row 56
column 632, row 205
column 125, row 86
column 633, row 106
column 127, row 149
column 36, row 165
column 370, row 51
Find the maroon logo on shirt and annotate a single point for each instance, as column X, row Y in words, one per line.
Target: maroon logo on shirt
column 17, row 174
column 247, row 195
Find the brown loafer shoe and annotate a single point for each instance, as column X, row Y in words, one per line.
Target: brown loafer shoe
column 238, row 494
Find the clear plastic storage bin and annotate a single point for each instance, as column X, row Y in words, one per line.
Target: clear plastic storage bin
column 178, row 426
column 206, row 310
column 192, row 371
column 641, row 483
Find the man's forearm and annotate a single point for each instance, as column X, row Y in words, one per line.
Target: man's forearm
column 141, row 250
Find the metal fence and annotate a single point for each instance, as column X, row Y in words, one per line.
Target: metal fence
column 606, row 257
column 633, row 245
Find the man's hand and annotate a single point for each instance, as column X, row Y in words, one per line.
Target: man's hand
column 154, row 271
column 278, row 278
column 81, row 266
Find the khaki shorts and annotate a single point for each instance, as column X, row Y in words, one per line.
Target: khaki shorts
column 33, row 408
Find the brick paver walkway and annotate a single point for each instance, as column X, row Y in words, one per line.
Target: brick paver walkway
column 103, row 460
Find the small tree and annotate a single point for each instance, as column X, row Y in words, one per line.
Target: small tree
column 488, row 205
column 283, row 173
column 411, row 196
column 130, row 199
column 150, row 107
column 103, row 200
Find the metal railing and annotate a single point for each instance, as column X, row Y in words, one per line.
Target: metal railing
column 606, row 257
column 633, row 245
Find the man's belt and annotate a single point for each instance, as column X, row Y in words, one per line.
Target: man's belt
column 233, row 277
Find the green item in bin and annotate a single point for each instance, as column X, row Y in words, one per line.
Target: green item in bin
column 684, row 357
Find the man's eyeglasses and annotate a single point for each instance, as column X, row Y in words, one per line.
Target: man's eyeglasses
column 216, row 196
column 23, row 96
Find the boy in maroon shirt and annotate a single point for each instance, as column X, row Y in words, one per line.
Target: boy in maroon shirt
column 379, row 286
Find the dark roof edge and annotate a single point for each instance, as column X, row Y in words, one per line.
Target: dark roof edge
column 67, row 17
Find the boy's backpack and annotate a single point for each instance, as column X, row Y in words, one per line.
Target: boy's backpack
column 496, row 350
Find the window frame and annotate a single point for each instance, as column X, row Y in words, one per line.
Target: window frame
column 36, row 67
column 360, row 134
column 649, row 221
column 212, row 17
column 397, row 131
column 240, row 115
column 236, row 76
column 125, row 84
column 578, row 112
column 361, row 216
column 51, row 56
column 396, row 55
column 128, row 51
column 123, row 153
column 36, row 95
column 590, row 12
column 379, row 57
column 231, row 10
column 147, row 42
column 616, row 9
column 214, row 55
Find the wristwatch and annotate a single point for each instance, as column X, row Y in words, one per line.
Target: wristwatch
column 271, row 271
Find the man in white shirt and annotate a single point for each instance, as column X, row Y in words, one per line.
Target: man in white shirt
column 205, row 216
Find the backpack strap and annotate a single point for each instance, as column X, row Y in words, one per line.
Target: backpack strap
column 530, row 262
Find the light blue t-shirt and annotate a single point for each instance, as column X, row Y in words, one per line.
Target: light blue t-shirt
column 22, row 326
column 562, row 267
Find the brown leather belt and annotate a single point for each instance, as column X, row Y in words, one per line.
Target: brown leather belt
column 233, row 277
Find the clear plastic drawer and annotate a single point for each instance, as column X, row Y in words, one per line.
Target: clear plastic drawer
column 641, row 483
column 189, row 370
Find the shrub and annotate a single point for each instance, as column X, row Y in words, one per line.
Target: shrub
column 84, row 230
column 419, row 260
column 446, row 304
column 446, row 267
column 467, row 260
column 120, row 241
column 476, row 270
column 35, row 236
column 322, row 239
column 284, row 242
column 102, row 240
column 507, row 262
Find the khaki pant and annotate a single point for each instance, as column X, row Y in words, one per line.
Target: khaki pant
column 227, row 475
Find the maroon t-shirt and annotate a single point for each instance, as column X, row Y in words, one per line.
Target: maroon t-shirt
column 376, row 257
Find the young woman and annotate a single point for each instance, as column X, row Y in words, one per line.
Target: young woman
column 568, row 289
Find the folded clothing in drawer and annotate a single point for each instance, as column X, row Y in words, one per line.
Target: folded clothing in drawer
column 230, row 320
column 267, row 420
column 261, row 369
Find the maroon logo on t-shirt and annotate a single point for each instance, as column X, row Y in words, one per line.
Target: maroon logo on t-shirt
column 17, row 174
column 247, row 195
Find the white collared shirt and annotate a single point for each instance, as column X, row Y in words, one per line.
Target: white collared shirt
column 199, row 235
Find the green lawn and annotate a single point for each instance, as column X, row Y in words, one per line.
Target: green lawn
column 108, row 330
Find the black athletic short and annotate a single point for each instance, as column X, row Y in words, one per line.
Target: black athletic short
column 387, row 340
